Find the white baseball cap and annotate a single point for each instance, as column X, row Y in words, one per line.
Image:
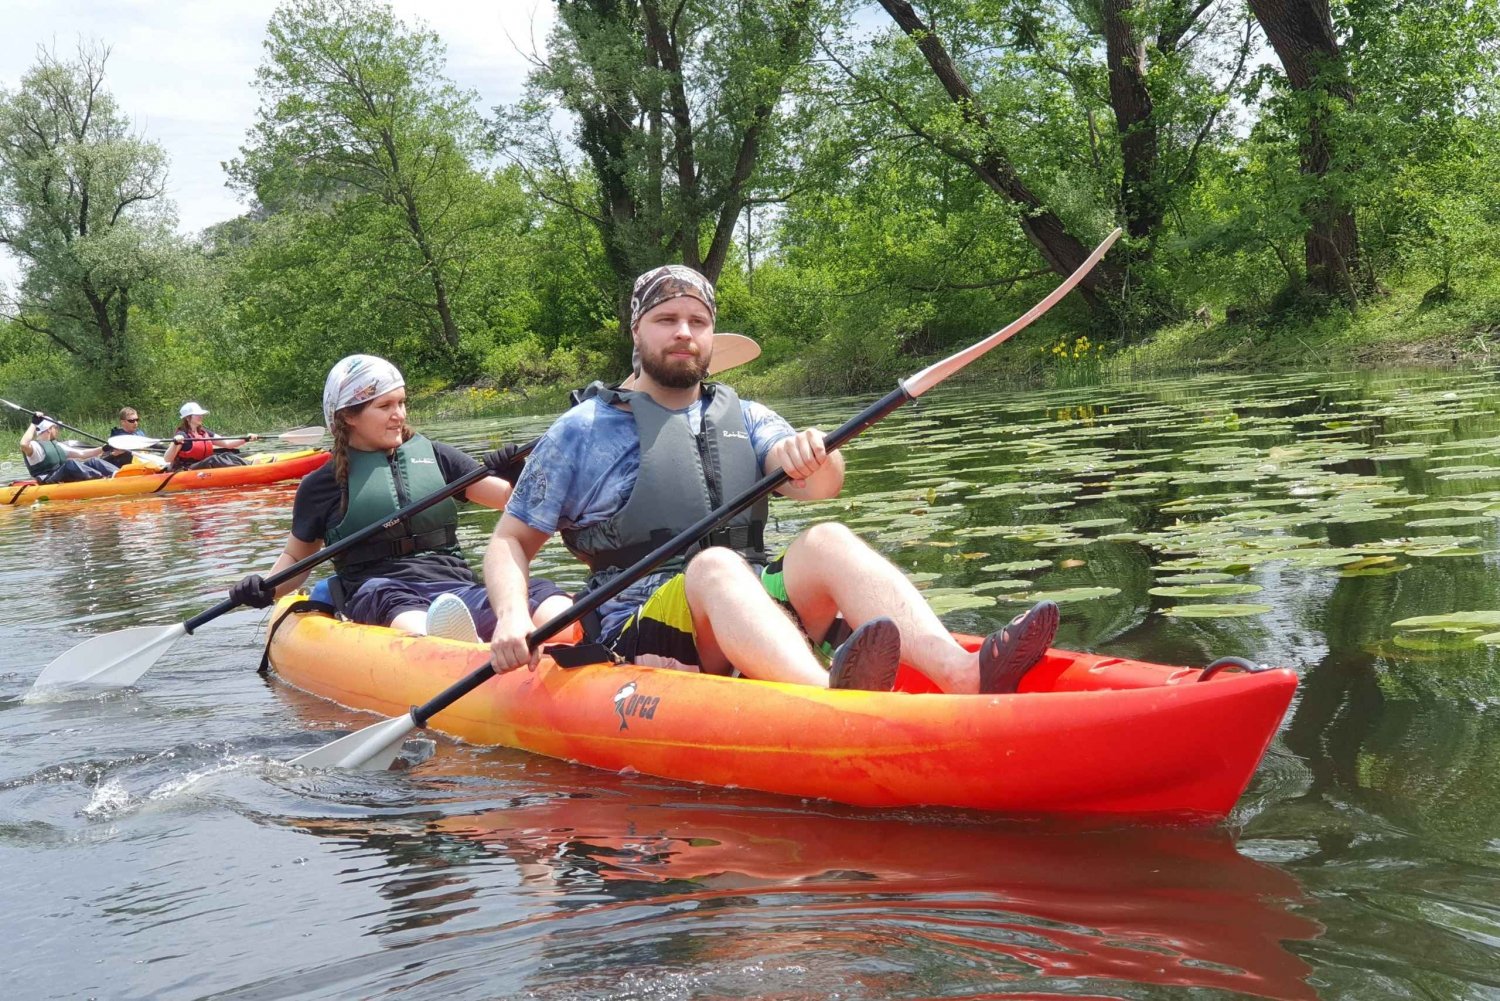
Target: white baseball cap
column 45, row 426
column 189, row 409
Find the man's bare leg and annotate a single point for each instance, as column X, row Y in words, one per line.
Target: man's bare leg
column 831, row 571
column 738, row 624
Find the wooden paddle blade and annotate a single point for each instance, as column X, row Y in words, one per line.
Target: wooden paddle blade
column 303, row 436
column 373, row 749
column 112, row 660
column 732, row 351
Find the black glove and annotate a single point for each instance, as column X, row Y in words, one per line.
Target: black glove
column 504, row 463
column 253, row 591
column 37, row 418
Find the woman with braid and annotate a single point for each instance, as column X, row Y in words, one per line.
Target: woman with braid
column 379, row 466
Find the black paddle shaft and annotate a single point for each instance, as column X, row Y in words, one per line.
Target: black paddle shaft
column 54, row 420
column 343, row 545
column 591, row 601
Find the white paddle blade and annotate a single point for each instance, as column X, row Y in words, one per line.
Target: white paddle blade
column 112, row 660
column 373, row 749
column 303, row 437
column 732, row 351
column 131, row 443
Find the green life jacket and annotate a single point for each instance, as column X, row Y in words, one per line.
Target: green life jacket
column 53, row 457
column 683, row 477
column 379, row 485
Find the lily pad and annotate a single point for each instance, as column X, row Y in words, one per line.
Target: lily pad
column 1016, row 566
column 1067, row 594
column 1453, row 522
column 1204, row 590
column 1452, row 620
column 1209, row 611
column 953, row 599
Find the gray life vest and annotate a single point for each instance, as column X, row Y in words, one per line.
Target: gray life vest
column 379, row 485
column 53, row 457
column 682, row 478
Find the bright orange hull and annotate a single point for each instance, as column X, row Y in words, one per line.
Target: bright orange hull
column 291, row 466
column 1087, row 735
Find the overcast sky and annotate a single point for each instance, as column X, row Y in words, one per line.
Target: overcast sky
column 182, row 70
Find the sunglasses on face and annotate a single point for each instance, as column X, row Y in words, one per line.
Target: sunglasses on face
column 132, row 420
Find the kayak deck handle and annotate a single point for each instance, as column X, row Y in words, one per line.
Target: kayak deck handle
column 1236, row 662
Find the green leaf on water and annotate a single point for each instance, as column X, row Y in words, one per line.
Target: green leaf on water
column 1002, row 585
column 1453, row 522
column 953, row 599
column 1016, row 566
column 1207, row 611
column 1484, row 619
column 1204, row 590
column 1066, row 594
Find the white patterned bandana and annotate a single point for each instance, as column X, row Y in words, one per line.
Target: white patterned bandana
column 668, row 282
column 357, row 379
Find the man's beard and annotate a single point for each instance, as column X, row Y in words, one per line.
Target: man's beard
column 682, row 373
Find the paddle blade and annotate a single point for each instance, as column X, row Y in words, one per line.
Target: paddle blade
column 131, row 442
column 732, row 351
column 112, row 660
column 303, row 437
column 372, row 749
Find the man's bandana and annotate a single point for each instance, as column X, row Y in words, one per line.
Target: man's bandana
column 358, row 379
column 669, row 282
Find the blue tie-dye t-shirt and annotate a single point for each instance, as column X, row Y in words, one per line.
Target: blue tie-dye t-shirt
column 582, row 472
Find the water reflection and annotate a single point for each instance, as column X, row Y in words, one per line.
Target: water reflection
column 665, row 878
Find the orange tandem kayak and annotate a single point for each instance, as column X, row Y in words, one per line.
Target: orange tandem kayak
column 135, row 479
column 1086, row 735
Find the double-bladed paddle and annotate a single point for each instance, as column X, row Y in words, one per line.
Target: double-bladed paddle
column 301, row 437
column 377, row 746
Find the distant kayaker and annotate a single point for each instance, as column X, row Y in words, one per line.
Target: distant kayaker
column 51, row 461
column 379, row 466
column 193, row 445
column 733, row 606
column 130, row 423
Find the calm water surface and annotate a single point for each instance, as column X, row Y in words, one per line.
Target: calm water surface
column 154, row 847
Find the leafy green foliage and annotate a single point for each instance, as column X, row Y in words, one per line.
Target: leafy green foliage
column 803, row 152
column 81, row 207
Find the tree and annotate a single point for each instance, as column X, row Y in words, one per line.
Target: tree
column 683, row 112
column 355, row 113
column 1302, row 33
column 1049, row 73
column 81, row 207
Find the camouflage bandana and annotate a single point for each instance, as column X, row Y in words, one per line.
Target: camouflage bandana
column 669, row 282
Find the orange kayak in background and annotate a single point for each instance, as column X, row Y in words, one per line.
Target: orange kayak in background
column 1085, row 735
column 136, row 479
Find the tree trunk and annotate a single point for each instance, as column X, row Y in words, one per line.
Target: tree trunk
column 99, row 307
column 434, row 271
column 1046, row 232
column 664, row 44
column 1301, row 32
column 1125, row 54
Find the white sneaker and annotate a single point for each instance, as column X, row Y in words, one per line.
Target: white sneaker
column 449, row 618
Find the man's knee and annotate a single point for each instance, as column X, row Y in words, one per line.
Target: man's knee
column 827, row 537
column 717, row 567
